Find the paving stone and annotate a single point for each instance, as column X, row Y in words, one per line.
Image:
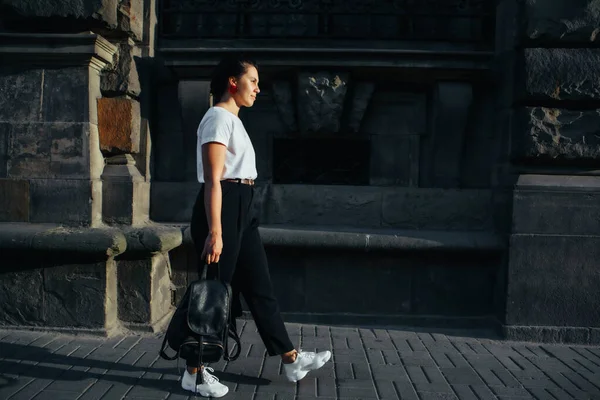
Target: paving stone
column 461, row 376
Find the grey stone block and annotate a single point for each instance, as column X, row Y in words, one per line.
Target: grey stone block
column 103, row 10
column 49, row 150
column 62, row 201
column 444, row 209
column 144, row 291
column 391, row 158
column 194, row 102
column 4, row 143
column 14, row 200
column 173, row 201
column 123, row 76
column 65, row 95
column 556, row 135
column 547, row 334
column 553, row 207
column 21, row 295
column 167, row 140
column 75, row 295
column 561, row 74
column 466, row 284
column 562, row 21
column 452, row 112
column 20, row 93
column 395, row 113
column 323, row 205
column 553, row 281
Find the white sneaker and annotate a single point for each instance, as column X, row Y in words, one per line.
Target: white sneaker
column 306, row 361
column 210, row 388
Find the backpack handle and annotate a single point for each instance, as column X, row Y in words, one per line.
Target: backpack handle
column 204, row 272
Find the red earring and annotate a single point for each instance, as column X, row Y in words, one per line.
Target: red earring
column 232, row 89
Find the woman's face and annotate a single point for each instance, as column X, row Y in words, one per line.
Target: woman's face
column 247, row 87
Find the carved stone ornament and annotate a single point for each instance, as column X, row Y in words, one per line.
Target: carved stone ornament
column 320, row 101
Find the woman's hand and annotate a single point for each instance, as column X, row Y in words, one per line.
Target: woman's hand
column 213, row 247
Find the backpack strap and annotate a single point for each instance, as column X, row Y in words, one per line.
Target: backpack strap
column 232, row 333
column 162, row 352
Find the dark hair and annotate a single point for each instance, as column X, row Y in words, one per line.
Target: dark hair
column 231, row 65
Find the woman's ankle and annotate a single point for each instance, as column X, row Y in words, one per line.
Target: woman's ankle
column 289, row 357
column 193, row 370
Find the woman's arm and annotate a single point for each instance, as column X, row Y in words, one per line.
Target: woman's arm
column 213, row 162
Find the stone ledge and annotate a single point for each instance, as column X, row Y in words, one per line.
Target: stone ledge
column 93, row 242
column 56, row 239
column 152, row 239
column 552, row 334
column 375, row 239
column 61, row 49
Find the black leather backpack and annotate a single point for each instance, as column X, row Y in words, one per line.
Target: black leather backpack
column 202, row 323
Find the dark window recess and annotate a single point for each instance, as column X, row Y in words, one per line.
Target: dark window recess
column 324, row 161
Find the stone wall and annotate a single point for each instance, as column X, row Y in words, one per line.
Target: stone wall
column 549, row 64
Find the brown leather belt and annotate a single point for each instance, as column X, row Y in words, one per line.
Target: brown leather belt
column 244, row 181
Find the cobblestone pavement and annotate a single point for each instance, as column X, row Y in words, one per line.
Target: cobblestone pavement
column 367, row 364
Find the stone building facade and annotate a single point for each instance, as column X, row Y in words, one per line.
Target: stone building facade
column 431, row 163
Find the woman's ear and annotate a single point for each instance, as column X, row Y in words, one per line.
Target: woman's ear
column 232, row 81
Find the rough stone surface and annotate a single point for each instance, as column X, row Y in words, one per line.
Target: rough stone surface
column 4, row 141
column 284, row 100
column 395, row 113
column 553, row 280
column 66, row 94
column 450, row 209
column 123, row 77
column 62, row 201
column 21, row 295
column 562, row 74
column 323, row 205
column 75, row 295
column 562, row 21
column 14, row 200
column 48, row 150
column 131, row 18
column 103, row 10
column 119, row 125
column 321, row 100
column 134, row 290
column 362, row 92
column 567, row 212
column 548, row 334
column 557, row 134
column 20, row 94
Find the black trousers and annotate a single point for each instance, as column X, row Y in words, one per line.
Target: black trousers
column 243, row 262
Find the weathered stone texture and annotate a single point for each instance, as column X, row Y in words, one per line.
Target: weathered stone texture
column 391, row 160
column 123, row 76
column 103, row 10
column 20, row 93
column 46, row 150
column 550, row 133
column 321, row 100
column 553, row 280
column 65, row 95
column 62, row 201
column 562, row 74
column 361, row 98
column 14, row 200
column 324, row 205
column 562, row 20
column 119, row 125
column 4, row 140
column 438, row 209
column 75, row 295
column 21, row 296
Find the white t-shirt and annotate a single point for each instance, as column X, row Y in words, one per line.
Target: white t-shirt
column 220, row 125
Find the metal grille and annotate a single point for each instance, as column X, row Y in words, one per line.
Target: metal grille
column 470, row 21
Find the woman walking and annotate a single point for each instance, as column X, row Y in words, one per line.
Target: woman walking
column 224, row 227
